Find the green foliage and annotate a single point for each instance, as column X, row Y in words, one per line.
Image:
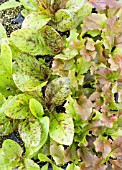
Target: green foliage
column 61, row 86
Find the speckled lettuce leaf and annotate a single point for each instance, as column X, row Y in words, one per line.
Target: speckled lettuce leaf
column 11, row 149
column 45, row 41
column 7, row 125
column 62, row 129
column 29, row 41
column 32, row 151
column 30, row 132
column 57, row 91
column 35, row 21
column 2, row 99
column 9, row 4
column 2, row 32
column 30, row 164
column 25, row 82
column 36, row 108
column 72, row 16
column 16, row 107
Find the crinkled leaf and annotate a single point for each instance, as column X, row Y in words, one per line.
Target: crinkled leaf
column 30, row 164
column 94, row 22
column 2, row 32
column 57, row 91
column 84, row 109
column 117, row 147
column 30, row 132
column 9, row 4
column 62, row 129
column 35, row 21
column 102, row 145
column 36, row 108
column 67, row 54
column 11, row 149
column 82, row 66
column 16, row 107
column 103, row 4
column 57, row 152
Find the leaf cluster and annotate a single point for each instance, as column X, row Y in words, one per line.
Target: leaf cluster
column 70, row 111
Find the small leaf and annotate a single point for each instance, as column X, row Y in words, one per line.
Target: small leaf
column 72, row 167
column 62, row 129
column 28, row 4
column 30, row 164
column 56, row 167
column 9, row 4
column 2, row 99
column 35, row 21
column 5, row 163
column 43, row 158
column 57, row 91
column 45, row 167
column 36, row 108
column 45, row 130
column 30, row 132
column 11, row 149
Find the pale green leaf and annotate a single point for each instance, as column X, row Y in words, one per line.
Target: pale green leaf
column 28, row 4
column 30, row 132
column 9, row 4
column 5, row 60
column 57, row 91
column 2, row 99
column 36, row 108
column 35, row 21
column 57, row 152
column 30, row 165
column 56, row 167
column 11, row 149
column 72, row 167
column 2, row 32
column 45, row 167
column 43, row 158
column 17, row 107
column 62, row 129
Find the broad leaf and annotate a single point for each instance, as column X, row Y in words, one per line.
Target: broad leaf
column 72, row 167
column 43, row 158
column 57, row 91
column 5, row 163
column 16, row 107
column 30, row 132
column 62, row 129
column 9, row 4
column 35, row 21
column 36, row 108
column 11, row 149
column 30, row 164
column 28, row 4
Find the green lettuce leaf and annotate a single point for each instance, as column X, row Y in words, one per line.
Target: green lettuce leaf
column 36, row 108
column 29, row 4
column 9, row 4
column 30, row 165
column 62, row 129
column 11, row 149
column 2, row 32
column 35, row 21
